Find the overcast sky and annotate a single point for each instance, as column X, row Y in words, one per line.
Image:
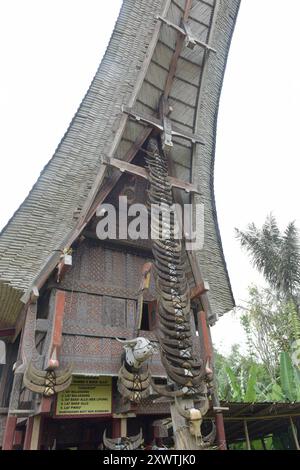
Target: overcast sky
column 50, row 51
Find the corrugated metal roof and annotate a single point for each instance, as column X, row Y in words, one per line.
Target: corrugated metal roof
column 127, row 75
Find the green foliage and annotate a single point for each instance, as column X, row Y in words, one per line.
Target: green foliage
column 287, row 376
column 294, row 321
column 276, row 255
column 250, row 395
column 271, row 321
column 243, row 380
column 235, row 386
column 266, row 322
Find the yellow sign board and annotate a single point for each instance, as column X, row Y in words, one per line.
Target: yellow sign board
column 86, row 396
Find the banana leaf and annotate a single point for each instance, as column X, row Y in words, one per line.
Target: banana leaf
column 276, row 393
column 297, row 382
column 235, row 386
column 287, row 377
column 250, row 395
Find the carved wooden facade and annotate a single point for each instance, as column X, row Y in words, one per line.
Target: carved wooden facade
column 66, row 315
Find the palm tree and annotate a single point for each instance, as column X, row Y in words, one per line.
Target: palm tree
column 276, row 255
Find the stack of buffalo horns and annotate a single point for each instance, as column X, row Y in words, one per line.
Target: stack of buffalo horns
column 174, row 309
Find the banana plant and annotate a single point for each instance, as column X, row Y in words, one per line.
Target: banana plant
column 289, row 378
column 242, row 391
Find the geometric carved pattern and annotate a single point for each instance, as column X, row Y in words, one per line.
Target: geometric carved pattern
column 100, row 305
column 92, row 355
column 99, row 269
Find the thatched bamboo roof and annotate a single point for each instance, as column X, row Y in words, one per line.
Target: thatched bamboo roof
column 132, row 72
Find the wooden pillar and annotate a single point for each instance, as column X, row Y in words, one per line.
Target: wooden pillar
column 208, row 356
column 294, row 431
column 28, row 433
column 116, row 428
column 221, row 437
column 9, row 433
column 51, row 359
column 247, row 435
column 123, row 427
column 36, row 431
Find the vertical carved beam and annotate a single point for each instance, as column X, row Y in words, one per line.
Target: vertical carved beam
column 55, row 340
column 207, row 346
column 28, row 349
column 183, row 439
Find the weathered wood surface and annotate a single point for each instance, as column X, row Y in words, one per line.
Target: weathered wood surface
column 182, row 436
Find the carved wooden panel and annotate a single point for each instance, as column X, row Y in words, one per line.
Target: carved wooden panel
column 98, row 269
column 91, row 355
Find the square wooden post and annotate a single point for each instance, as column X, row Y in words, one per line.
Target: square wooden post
column 208, row 358
column 28, row 433
column 9, row 433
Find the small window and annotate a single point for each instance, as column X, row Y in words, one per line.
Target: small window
column 148, row 319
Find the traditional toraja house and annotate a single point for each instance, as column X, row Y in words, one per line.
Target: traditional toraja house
column 107, row 341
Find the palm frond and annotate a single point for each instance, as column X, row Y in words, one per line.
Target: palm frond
column 275, row 255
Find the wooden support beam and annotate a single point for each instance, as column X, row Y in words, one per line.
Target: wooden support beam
column 63, row 266
column 109, row 185
column 20, row 413
column 185, row 31
column 18, row 441
column 45, row 405
column 220, row 409
column 9, row 433
column 28, row 347
column 207, row 346
column 28, row 433
column 159, row 126
column 36, row 431
column 199, row 290
column 173, row 66
column 5, row 332
column 116, row 428
column 248, row 443
column 221, row 437
column 123, row 427
column 187, row 9
column 177, row 52
column 143, row 173
column 34, row 295
column 294, row 431
column 259, row 418
column 51, row 360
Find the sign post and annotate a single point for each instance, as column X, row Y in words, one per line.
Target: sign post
column 86, row 396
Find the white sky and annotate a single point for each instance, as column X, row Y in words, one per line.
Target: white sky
column 50, row 51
